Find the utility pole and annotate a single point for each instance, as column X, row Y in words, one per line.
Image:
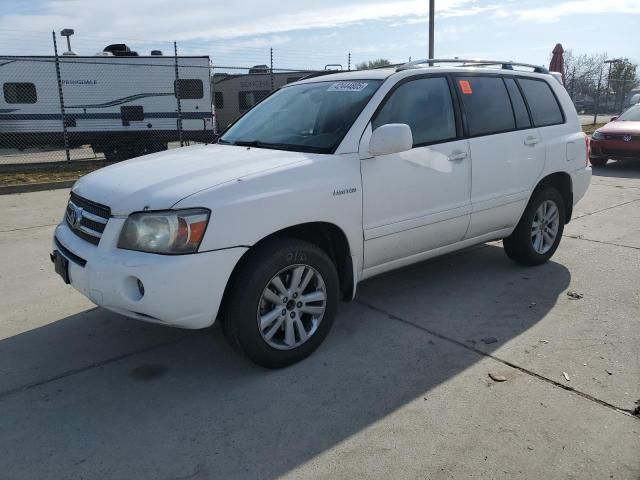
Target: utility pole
column 431, row 26
column 349, row 62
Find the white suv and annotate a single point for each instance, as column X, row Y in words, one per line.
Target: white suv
column 325, row 183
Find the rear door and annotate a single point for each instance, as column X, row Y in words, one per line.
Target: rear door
column 507, row 152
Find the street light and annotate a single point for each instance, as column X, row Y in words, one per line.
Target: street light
column 610, row 62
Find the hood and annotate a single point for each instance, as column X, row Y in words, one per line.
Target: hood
column 621, row 127
column 160, row 180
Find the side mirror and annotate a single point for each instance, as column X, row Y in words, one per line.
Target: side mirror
column 613, row 119
column 391, row 138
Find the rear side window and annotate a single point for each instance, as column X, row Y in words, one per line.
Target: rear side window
column 542, row 102
column 190, row 88
column 20, row 93
column 486, row 105
column 426, row 106
column 517, row 102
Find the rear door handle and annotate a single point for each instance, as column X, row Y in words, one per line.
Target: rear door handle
column 531, row 140
column 457, row 155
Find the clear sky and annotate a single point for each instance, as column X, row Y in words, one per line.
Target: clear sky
column 312, row 33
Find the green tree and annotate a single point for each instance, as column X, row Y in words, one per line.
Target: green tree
column 380, row 62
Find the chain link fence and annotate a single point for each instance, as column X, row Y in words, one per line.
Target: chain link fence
column 120, row 104
column 602, row 97
column 64, row 108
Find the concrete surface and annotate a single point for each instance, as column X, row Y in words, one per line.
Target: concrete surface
column 398, row 390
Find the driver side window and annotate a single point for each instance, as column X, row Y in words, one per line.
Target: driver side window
column 425, row 105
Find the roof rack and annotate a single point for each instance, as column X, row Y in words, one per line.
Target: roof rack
column 505, row 65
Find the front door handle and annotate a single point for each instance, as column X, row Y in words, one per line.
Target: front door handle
column 457, row 155
column 531, row 140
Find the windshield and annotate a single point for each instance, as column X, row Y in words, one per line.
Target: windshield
column 312, row 117
column 631, row 115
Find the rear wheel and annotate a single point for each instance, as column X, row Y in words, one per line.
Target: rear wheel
column 598, row 162
column 538, row 234
column 281, row 303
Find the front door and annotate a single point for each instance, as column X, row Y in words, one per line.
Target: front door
column 418, row 200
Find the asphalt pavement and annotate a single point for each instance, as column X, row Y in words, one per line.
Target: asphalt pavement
column 400, row 388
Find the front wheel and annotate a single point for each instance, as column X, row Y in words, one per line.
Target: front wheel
column 538, row 234
column 282, row 302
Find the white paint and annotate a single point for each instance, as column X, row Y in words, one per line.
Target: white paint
column 396, row 208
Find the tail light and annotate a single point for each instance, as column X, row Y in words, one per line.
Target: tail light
column 587, row 142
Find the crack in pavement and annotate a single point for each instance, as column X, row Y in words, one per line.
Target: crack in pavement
column 101, row 363
column 524, row 370
column 28, row 228
column 605, row 209
column 578, row 237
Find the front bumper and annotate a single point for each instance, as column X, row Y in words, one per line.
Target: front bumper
column 615, row 149
column 179, row 290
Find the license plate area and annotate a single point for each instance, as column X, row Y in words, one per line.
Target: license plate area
column 61, row 265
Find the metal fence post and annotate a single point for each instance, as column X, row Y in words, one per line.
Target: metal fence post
column 65, row 134
column 597, row 105
column 349, row 62
column 177, row 90
column 623, row 93
column 271, row 69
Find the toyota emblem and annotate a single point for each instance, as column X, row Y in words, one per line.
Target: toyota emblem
column 74, row 216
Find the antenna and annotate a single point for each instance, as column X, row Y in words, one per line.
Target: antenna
column 67, row 32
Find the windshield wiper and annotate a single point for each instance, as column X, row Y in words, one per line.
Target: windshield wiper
column 259, row 144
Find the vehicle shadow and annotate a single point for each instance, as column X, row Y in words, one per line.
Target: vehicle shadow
column 619, row 169
column 183, row 405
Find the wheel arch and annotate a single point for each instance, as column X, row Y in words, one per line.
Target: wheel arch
column 327, row 236
column 563, row 183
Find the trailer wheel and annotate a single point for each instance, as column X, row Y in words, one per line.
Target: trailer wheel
column 114, row 153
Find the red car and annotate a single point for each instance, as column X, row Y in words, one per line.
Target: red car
column 618, row 139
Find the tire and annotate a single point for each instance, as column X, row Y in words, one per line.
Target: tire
column 248, row 302
column 526, row 248
column 598, row 162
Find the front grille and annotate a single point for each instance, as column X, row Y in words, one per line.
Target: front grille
column 620, row 136
column 87, row 219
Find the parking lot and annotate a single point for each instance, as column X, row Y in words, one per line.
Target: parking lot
column 400, row 388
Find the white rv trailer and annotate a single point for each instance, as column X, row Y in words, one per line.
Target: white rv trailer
column 123, row 106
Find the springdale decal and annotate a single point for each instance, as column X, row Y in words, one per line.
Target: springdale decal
column 79, row 82
column 344, row 191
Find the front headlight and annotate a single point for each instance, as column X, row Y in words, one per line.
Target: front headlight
column 169, row 232
column 597, row 135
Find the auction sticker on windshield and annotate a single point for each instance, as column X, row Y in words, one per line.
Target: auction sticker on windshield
column 347, row 87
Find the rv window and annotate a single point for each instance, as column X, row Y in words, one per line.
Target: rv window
column 218, row 100
column 132, row 113
column 189, row 88
column 20, row 93
column 248, row 99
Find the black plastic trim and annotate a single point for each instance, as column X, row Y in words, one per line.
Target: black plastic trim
column 69, row 254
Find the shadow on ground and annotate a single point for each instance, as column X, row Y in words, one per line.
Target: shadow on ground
column 619, row 169
column 191, row 408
